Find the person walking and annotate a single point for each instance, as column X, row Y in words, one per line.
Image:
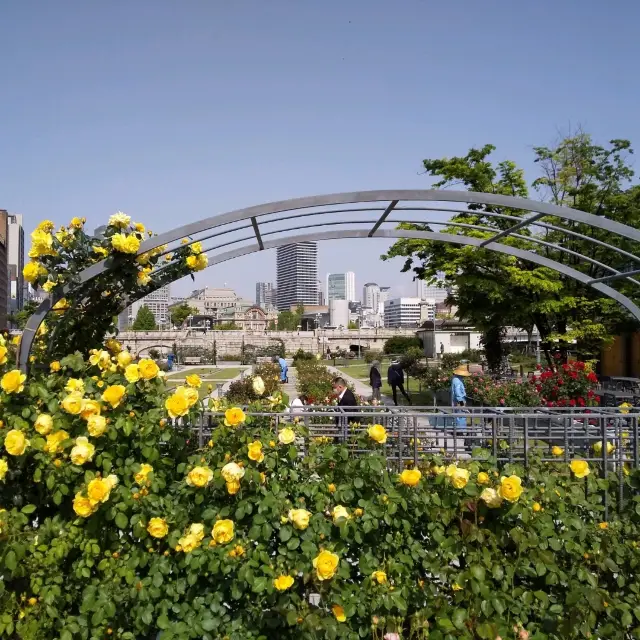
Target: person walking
column 395, row 377
column 283, row 369
column 441, row 350
column 375, row 380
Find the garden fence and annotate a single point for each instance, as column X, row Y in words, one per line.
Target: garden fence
column 607, row 437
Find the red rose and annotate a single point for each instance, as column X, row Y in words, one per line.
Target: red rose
column 581, row 401
column 592, row 377
column 572, row 402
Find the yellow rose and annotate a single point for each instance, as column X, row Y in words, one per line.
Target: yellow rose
column 340, row 514
column 176, row 405
column 73, row 403
column 82, row 451
column 100, row 358
column 286, row 436
column 113, row 395
column 339, row 613
column 13, row 381
column 557, row 451
column 54, row 440
column 99, row 489
column 15, row 443
column 192, row 262
column 326, row 564
column 148, row 369
column 196, row 248
column 119, row 220
column 258, row 385
column 157, row 528
column 74, row 385
column 379, row 576
column 96, row 425
column 199, row 477
column 580, row 468
column 438, row 470
column 3, row 354
column 4, row 467
column 43, row 424
column 90, row 408
column 223, row 531
column 410, row 477
column 597, row 447
column 113, row 345
column 510, row 488
column 190, row 395
column 32, row 271
column 331, row 488
column 197, row 531
column 124, row 359
column 483, row 478
column 82, row 506
column 143, row 277
column 41, row 244
column 299, row 518
column 142, row 476
column 233, row 417
column 377, row 433
column 255, row 451
column 233, row 487
column 491, row 498
column 132, row 373
column 232, row 472
column 451, row 469
column 201, row 261
column 125, row 243
column 460, row 478
column 603, row 526
column 193, row 380
column 536, row 507
column 282, row 583
column 46, row 225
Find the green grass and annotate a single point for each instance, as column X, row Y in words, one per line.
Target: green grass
column 210, row 373
column 201, row 371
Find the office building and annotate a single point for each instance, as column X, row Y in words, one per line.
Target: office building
column 157, row 302
column 265, row 295
column 426, row 291
column 385, row 294
column 341, row 286
column 297, row 275
column 4, row 271
column 406, row 312
column 371, row 296
column 321, row 299
column 15, row 262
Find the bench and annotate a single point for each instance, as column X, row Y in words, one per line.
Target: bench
column 192, row 360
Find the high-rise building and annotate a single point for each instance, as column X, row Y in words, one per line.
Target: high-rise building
column 4, row 272
column 426, row 291
column 385, row 293
column 265, row 294
column 15, row 262
column 157, row 302
column 403, row 312
column 321, row 299
column 341, row 286
column 371, row 296
column 297, row 275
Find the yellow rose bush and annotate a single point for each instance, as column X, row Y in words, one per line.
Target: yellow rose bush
column 117, row 519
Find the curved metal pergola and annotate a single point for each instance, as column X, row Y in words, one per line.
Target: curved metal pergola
column 266, row 226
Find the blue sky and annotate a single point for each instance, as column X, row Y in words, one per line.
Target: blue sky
column 173, row 111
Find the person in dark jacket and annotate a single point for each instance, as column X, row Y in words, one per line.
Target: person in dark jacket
column 375, row 380
column 395, row 377
column 346, row 398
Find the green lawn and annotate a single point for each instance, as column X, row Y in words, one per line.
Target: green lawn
column 201, row 371
column 211, row 377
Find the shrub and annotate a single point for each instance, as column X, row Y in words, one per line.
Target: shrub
column 401, row 344
column 302, row 355
column 571, row 385
column 370, row 355
column 314, row 382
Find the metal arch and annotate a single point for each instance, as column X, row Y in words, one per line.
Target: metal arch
column 438, row 237
column 394, row 196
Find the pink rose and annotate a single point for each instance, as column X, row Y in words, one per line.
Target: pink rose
column 391, row 636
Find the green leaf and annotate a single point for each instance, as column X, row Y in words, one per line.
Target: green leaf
column 478, row 572
column 459, row 618
column 10, row 560
column 122, row 522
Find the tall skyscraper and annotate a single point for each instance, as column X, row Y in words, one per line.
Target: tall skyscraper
column 385, row 293
column 265, row 294
column 15, row 262
column 297, row 275
column 341, row 286
column 4, row 272
column 371, row 296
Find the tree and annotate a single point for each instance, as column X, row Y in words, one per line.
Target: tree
column 180, row 313
column 353, row 325
column 145, row 320
column 495, row 290
column 227, row 326
column 22, row 317
column 401, row 344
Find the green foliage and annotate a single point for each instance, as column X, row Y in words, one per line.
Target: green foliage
column 301, row 355
column 401, row 344
column 22, row 317
column 227, row 326
column 314, row 382
column 145, row 320
column 243, row 391
column 495, row 290
column 180, row 312
column 370, row 355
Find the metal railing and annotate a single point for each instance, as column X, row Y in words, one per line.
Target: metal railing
column 509, row 435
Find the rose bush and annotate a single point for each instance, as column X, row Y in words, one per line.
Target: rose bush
column 115, row 522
